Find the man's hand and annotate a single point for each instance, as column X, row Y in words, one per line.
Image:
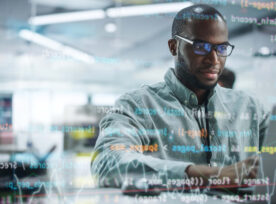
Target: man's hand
column 246, row 169
column 236, row 172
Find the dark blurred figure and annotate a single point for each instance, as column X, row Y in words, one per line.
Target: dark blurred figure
column 227, row 78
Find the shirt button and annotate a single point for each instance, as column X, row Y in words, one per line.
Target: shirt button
column 192, row 103
column 212, row 132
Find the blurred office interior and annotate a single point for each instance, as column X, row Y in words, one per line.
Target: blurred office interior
column 64, row 63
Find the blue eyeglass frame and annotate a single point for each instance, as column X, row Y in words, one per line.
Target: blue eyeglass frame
column 212, row 46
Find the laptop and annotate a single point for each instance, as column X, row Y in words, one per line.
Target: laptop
column 264, row 193
column 267, row 166
column 264, row 190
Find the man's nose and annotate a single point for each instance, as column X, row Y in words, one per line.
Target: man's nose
column 213, row 57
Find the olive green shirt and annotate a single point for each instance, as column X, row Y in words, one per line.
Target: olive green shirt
column 160, row 129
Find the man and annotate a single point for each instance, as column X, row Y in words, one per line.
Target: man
column 187, row 126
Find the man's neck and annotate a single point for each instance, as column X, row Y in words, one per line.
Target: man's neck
column 201, row 94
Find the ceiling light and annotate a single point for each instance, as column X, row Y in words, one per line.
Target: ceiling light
column 264, row 51
column 111, row 12
column 110, row 27
column 146, row 9
column 54, row 45
column 67, row 17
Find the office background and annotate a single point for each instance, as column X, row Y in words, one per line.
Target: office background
column 64, row 63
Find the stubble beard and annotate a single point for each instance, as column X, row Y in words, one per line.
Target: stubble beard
column 190, row 80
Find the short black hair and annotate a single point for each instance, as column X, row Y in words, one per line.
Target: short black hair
column 198, row 11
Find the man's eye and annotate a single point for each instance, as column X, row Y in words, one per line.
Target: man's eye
column 207, row 46
column 222, row 47
column 200, row 46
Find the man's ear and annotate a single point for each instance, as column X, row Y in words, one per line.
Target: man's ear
column 172, row 46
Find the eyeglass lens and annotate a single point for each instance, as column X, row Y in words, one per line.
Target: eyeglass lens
column 203, row 48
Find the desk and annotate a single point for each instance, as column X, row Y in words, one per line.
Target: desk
column 70, row 181
column 10, row 149
column 113, row 195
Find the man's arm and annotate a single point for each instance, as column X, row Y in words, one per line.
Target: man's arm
column 247, row 168
column 117, row 156
column 236, row 172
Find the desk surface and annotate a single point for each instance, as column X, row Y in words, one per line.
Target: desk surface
column 70, row 181
column 10, row 149
column 113, row 195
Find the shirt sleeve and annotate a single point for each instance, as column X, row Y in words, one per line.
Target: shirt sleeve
column 263, row 125
column 119, row 149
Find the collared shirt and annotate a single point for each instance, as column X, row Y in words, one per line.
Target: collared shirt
column 160, row 130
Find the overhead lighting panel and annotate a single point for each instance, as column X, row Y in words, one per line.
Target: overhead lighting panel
column 146, row 9
column 116, row 12
column 54, row 45
column 67, row 17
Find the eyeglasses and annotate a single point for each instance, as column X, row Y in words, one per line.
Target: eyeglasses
column 204, row 48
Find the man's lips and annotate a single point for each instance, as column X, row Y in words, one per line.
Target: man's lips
column 209, row 74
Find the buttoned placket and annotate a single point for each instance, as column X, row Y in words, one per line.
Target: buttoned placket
column 200, row 117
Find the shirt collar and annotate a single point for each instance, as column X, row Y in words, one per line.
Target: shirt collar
column 184, row 95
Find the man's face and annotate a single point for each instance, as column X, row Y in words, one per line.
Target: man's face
column 197, row 71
